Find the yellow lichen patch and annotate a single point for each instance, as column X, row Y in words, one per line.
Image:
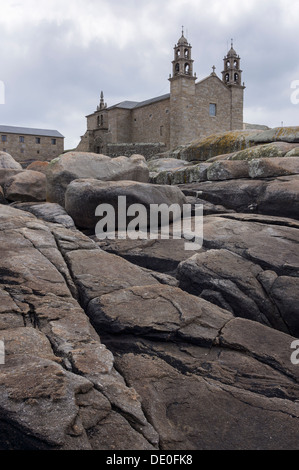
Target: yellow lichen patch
column 217, row 144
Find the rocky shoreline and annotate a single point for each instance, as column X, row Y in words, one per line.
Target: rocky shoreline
column 139, row 344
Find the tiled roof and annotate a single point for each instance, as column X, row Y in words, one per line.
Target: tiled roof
column 29, row 131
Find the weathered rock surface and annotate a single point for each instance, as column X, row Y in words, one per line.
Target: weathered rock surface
column 48, row 211
column 216, row 144
column 277, row 134
column 58, row 385
column 38, row 166
column 83, row 196
column 181, row 174
column 279, row 196
column 271, row 150
column 2, row 198
column 73, row 165
column 27, row 185
column 7, row 161
column 273, row 167
column 101, row 355
column 227, row 170
column 248, row 267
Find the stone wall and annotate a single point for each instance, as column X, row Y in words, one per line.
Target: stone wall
column 146, row 149
column 213, row 91
column 151, row 123
column 30, row 150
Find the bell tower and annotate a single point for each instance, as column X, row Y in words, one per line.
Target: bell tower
column 231, row 77
column 182, row 65
column 232, row 72
column 182, row 94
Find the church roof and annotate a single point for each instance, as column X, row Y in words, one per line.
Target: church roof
column 152, row 100
column 124, row 105
column 136, row 104
column 29, row 131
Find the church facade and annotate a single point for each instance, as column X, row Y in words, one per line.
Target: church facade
column 193, row 109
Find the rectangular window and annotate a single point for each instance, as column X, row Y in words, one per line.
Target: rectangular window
column 4, row 138
column 37, row 140
column 212, row 109
column 53, row 141
column 161, row 130
column 22, row 139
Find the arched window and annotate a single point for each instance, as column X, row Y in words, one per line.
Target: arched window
column 228, row 64
column 186, row 54
column 102, row 119
column 235, row 64
column 178, row 53
column 227, row 77
column 177, row 68
column 187, row 68
column 98, row 121
column 236, row 77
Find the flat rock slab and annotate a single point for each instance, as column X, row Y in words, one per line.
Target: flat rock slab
column 101, row 355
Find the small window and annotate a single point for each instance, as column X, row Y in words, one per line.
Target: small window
column 53, row 141
column 37, row 140
column 212, row 109
column 161, row 130
column 22, row 150
column 22, row 139
column 4, row 138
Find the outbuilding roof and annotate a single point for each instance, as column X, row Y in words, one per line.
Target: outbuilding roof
column 29, row 131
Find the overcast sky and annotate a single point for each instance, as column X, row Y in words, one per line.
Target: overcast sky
column 57, row 55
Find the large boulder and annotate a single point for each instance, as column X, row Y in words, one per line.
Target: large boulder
column 83, row 196
column 7, row 161
column 73, row 165
column 26, row 186
column 38, row 166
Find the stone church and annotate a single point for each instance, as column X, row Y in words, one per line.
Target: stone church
column 193, row 109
